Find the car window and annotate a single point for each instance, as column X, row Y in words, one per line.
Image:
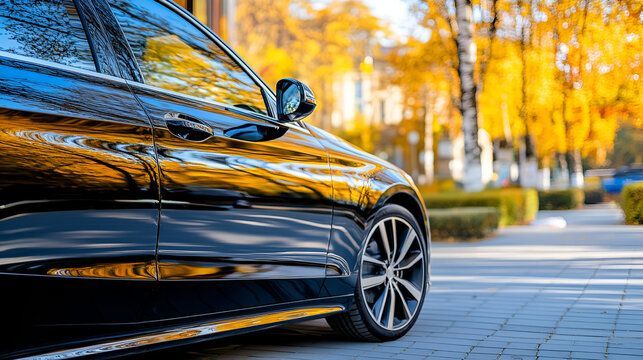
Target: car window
column 48, row 30
column 175, row 55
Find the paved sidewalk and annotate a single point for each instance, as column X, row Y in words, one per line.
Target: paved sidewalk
column 531, row 292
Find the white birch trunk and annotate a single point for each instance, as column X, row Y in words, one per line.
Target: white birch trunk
column 577, row 179
column 429, row 171
column 544, row 182
column 472, row 179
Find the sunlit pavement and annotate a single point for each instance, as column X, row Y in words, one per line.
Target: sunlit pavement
column 531, row 292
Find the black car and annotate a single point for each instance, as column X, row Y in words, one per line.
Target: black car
column 154, row 191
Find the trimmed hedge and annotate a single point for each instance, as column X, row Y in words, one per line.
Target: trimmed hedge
column 523, row 203
column 463, row 223
column 594, row 196
column 515, row 205
column 632, row 203
column 561, row 199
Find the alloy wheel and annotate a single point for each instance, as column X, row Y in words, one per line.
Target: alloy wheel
column 392, row 273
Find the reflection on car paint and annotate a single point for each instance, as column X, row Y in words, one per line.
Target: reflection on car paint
column 109, row 223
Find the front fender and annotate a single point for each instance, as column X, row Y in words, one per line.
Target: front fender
column 405, row 195
column 362, row 184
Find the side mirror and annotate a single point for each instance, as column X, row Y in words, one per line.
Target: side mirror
column 295, row 100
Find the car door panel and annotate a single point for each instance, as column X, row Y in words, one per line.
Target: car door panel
column 236, row 201
column 78, row 200
column 246, row 202
column 249, row 220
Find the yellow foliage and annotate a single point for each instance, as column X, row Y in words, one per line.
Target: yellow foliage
column 362, row 134
column 316, row 43
column 566, row 72
column 501, row 96
column 576, row 113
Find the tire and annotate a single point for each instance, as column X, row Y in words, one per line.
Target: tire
column 365, row 319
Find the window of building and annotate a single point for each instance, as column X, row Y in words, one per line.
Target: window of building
column 359, row 98
column 48, row 30
column 175, row 55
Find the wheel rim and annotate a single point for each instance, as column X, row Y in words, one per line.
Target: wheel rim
column 392, row 273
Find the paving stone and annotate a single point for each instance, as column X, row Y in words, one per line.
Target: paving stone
column 480, row 356
column 587, row 355
column 624, row 357
column 518, row 352
column 612, row 350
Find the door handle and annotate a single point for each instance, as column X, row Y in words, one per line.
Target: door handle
column 186, row 127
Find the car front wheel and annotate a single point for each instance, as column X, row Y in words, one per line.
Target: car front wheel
column 391, row 285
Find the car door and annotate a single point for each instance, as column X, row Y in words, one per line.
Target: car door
column 79, row 200
column 246, row 202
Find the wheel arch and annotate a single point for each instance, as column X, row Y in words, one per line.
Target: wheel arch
column 407, row 198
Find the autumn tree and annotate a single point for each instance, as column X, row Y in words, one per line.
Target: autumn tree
column 597, row 59
column 312, row 42
column 560, row 76
column 468, row 94
column 453, row 51
column 429, row 99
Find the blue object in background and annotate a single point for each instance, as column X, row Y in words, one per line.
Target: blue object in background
column 622, row 177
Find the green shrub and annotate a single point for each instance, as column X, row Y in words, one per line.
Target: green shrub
column 522, row 202
column 515, row 205
column 561, row 199
column 463, row 223
column 532, row 204
column 632, row 203
column 441, row 185
column 594, row 196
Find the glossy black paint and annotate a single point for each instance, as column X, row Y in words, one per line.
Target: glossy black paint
column 78, row 198
column 235, row 211
column 112, row 223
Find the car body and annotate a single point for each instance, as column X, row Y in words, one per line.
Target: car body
column 622, row 177
column 139, row 209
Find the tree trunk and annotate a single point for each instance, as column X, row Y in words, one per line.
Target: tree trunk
column 468, row 100
column 544, row 174
column 564, row 171
column 544, row 182
column 577, row 179
column 429, row 171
